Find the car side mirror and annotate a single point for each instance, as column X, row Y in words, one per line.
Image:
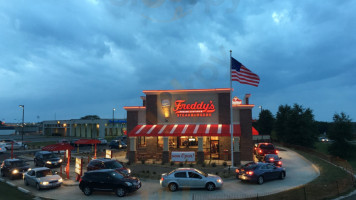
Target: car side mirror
column 54, row 172
column 280, row 158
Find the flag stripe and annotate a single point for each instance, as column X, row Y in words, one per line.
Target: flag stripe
column 243, row 75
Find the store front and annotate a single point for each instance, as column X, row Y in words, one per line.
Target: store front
column 195, row 121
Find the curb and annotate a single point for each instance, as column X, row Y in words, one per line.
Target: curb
column 11, row 184
column 23, row 190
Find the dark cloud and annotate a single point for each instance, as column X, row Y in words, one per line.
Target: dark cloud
column 71, row 59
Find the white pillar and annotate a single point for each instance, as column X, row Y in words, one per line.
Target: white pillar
column 132, row 143
column 236, row 144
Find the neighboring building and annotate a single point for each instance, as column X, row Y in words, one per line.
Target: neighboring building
column 85, row 128
column 194, row 121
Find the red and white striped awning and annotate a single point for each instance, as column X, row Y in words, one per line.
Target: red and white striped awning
column 187, row 130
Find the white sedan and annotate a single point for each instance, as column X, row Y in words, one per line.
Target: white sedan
column 2, row 148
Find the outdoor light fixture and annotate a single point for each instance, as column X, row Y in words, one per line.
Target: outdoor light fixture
column 166, row 105
column 23, row 123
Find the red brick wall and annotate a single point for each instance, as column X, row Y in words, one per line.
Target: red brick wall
column 246, row 143
column 151, row 109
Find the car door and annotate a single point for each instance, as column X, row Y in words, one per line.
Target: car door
column 195, row 180
column 274, row 172
column 181, row 178
column 30, row 177
column 265, row 172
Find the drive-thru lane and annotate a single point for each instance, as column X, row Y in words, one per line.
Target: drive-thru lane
column 299, row 172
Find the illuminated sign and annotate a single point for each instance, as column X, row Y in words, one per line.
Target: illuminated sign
column 182, row 156
column 78, row 166
column 108, row 153
column 236, row 101
column 196, row 109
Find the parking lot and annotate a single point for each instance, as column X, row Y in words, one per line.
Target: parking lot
column 299, row 172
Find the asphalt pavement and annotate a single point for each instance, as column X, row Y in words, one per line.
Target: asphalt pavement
column 299, row 171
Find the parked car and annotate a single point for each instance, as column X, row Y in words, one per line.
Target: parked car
column 117, row 144
column 103, row 141
column 106, row 163
column 190, row 178
column 13, row 144
column 14, row 168
column 109, row 180
column 274, row 159
column 47, row 159
column 42, row 178
column 265, row 148
column 72, row 142
column 2, row 148
column 63, row 141
column 260, row 172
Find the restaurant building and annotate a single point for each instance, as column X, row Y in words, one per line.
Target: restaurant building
column 196, row 121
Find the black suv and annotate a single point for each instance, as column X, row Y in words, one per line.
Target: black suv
column 47, row 159
column 109, row 180
column 14, row 168
column 106, row 163
column 117, row 144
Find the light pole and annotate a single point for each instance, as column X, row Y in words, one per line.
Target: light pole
column 23, row 118
column 113, row 123
column 260, row 108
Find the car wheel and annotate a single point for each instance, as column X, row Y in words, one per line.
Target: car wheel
column 38, row 186
column 25, row 181
column 87, row 191
column 260, row 180
column 210, row 186
column 173, row 187
column 120, row 192
column 282, row 175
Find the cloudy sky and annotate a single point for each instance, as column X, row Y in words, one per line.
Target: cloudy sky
column 68, row 59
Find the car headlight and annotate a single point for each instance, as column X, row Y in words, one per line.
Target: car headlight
column 60, row 180
column 120, row 146
column 44, row 183
column 128, row 184
column 219, row 180
column 129, row 171
column 15, row 171
column 49, row 162
column 60, row 160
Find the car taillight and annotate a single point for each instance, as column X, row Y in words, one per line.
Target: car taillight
column 277, row 151
column 162, row 179
column 260, row 151
column 249, row 173
column 271, row 159
column 237, row 170
column 279, row 163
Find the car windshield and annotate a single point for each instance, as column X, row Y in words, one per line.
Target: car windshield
column 113, row 165
column 250, row 167
column 171, row 172
column 43, row 173
column 202, row 173
column 49, row 155
column 18, row 163
column 267, row 146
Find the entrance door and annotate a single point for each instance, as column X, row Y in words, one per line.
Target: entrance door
column 214, row 148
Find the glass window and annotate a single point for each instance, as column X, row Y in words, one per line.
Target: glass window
column 43, row 173
column 160, row 142
column 180, row 175
column 113, row 165
column 142, row 141
column 194, row 175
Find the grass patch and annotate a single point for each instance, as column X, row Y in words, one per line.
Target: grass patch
column 9, row 192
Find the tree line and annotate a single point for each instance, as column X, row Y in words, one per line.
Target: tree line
column 296, row 125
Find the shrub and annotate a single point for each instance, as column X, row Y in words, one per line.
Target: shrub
column 143, row 162
column 213, row 164
column 224, row 164
column 191, row 165
column 217, row 173
column 148, row 171
column 172, row 163
column 181, row 164
column 203, row 165
column 153, row 172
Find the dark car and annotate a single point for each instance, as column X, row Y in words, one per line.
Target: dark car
column 106, row 163
column 109, row 180
column 265, row 148
column 47, row 159
column 117, row 144
column 14, row 168
column 274, row 159
column 260, row 172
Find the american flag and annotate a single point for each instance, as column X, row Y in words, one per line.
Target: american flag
column 243, row 75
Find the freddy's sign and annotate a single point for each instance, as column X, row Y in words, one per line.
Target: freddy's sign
column 196, row 109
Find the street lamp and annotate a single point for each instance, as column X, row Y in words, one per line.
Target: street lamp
column 113, row 123
column 260, row 108
column 23, row 118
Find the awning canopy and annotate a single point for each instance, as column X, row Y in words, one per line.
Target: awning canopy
column 187, row 130
column 58, row 147
column 87, row 141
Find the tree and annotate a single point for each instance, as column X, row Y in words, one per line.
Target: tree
column 296, row 125
column 265, row 122
column 90, row 117
column 340, row 132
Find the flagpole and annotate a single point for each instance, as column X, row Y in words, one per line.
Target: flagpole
column 231, row 122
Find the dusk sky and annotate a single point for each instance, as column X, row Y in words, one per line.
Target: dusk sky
column 68, row 59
